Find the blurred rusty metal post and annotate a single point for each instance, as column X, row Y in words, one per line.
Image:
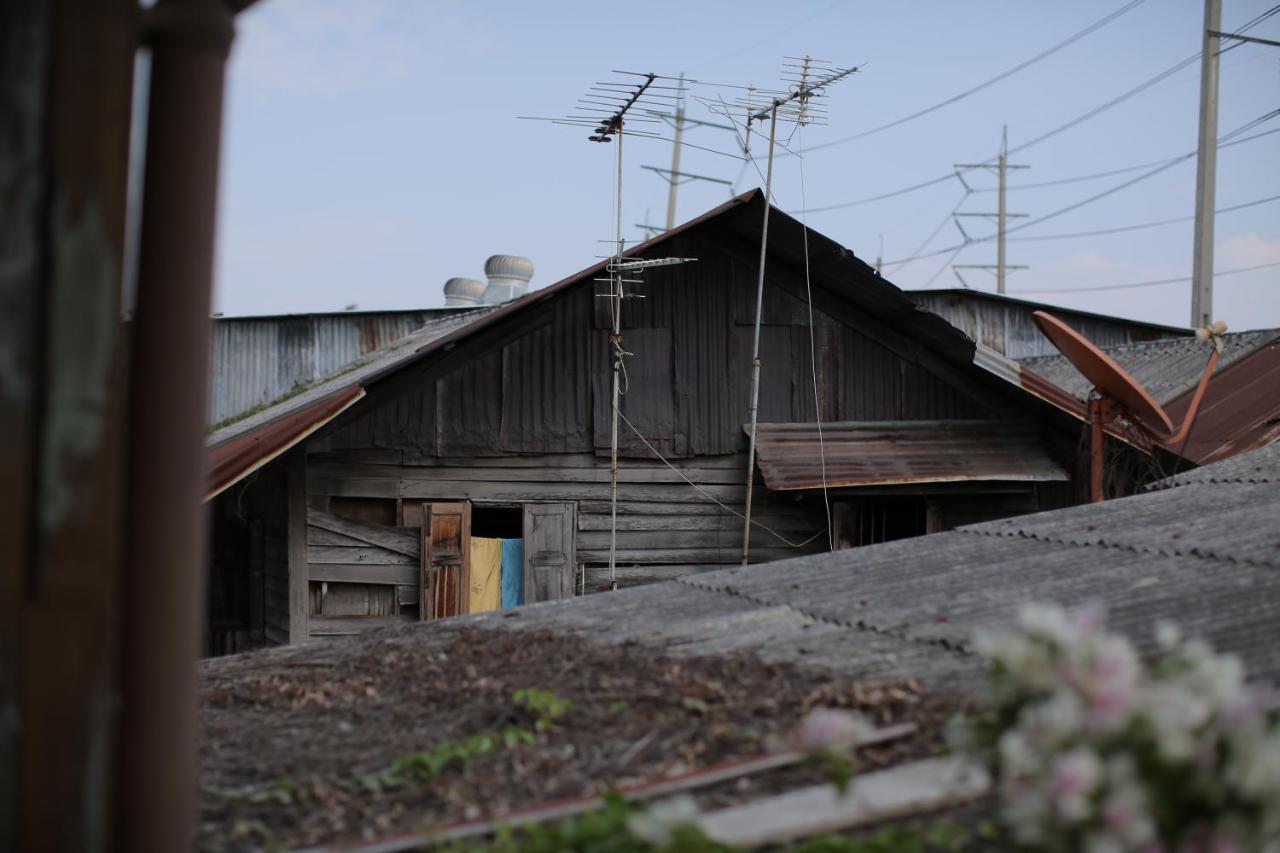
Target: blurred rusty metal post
column 164, row 572
column 1097, row 446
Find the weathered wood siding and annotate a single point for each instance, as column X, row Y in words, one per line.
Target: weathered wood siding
column 249, row 565
column 662, row 520
column 688, row 374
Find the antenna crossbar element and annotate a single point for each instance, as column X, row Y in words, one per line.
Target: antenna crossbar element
column 670, row 175
column 642, row 264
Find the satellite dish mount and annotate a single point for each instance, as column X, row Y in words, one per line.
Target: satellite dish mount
column 1117, row 395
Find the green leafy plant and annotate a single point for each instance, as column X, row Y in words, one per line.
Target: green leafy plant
column 546, row 706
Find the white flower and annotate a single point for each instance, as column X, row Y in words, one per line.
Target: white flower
column 1168, row 635
column 831, row 730
column 1073, row 781
column 657, row 823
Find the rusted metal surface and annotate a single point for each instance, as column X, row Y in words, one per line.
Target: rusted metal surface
column 1004, row 324
column 162, row 596
column 1241, row 408
column 66, row 75
column 900, row 452
column 1109, row 378
column 255, row 360
column 237, row 457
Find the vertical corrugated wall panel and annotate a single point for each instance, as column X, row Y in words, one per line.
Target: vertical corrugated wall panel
column 257, row 360
column 546, row 402
column 707, row 420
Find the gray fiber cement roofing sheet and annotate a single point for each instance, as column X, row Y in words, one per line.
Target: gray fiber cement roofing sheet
column 1205, row 555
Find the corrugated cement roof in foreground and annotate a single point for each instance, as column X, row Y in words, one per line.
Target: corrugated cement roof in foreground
column 1166, row 368
column 870, row 453
column 1205, row 555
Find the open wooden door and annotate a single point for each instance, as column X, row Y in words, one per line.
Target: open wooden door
column 446, row 552
column 550, row 550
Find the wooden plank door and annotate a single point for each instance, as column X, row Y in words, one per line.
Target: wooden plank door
column 550, row 550
column 446, row 557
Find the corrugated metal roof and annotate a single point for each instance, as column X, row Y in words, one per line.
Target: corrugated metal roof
column 1165, row 368
column 899, row 452
column 1241, row 408
column 360, row 373
column 1004, row 323
column 833, row 266
column 255, row 360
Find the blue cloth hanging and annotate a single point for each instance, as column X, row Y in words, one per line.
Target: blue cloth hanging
column 512, row 572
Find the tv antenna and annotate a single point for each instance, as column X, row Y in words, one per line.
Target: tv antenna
column 1117, row 395
column 608, row 108
column 806, row 81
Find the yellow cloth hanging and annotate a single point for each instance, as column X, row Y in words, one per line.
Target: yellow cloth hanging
column 486, row 575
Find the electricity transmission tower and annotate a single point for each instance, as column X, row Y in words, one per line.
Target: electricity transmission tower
column 1001, row 167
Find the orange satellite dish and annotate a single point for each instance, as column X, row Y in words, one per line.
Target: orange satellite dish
column 1121, row 394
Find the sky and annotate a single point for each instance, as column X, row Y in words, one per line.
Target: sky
column 373, row 149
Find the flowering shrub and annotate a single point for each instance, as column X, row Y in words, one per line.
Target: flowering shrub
column 1092, row 750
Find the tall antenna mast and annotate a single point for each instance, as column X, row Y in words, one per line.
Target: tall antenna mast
column 609, row 107
column 808, row 79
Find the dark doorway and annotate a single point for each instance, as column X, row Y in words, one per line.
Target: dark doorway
column 497, row 522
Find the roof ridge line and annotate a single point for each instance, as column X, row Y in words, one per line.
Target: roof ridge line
column 960, row 648
column 1194, row 552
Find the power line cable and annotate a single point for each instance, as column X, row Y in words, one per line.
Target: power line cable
column 1100, row 195
column 1153, row 283
column 658, row 455
column 1140, row 226
column 1136, row 90
column 1057, row 182
column 1096, row 25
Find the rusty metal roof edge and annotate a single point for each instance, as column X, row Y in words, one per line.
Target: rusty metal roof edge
column 1058, row 477
column 956, row 425
column 324, row 416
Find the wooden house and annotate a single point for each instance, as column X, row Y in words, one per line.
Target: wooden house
column 356, row 501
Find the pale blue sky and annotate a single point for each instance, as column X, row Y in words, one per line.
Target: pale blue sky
column 372, row 148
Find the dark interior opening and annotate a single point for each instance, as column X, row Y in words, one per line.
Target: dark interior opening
column 497, row 522
column 868, row 522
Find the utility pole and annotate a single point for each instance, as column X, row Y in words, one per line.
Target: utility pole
column 674, row 176
column 675, row 159
column 1001, row 215
column 1206, row 169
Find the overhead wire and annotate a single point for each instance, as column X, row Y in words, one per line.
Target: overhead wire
column 1096, row 196
column 1110, row 173
column 1153, row 283
column 1141, row 225
column 813, row 357
column 658, row 455
column 1136, row 90
column 973, row 90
